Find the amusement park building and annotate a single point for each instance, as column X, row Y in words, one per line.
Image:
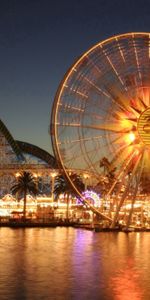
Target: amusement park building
column 16, row 156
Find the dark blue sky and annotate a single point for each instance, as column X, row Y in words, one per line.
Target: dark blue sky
column 39, row 40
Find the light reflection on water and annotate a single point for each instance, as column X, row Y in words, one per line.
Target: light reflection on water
column 68, row 264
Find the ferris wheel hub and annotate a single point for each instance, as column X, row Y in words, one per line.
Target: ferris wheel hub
column 144, row 126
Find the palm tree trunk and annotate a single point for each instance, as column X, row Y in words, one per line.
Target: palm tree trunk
column 24, row 204
column 67, row 211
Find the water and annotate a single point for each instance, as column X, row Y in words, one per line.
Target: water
column 67, row 264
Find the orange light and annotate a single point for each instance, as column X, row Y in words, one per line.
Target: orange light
column 137, row 151
column 35, row 175
column 131, row 137
column 86, row 176
column 17, row 174
column 53, row 174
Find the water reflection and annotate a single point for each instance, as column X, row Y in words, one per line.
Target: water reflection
column 67, row 263
column 126, row 284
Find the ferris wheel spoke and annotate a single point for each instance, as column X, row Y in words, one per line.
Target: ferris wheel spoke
column 143, row 104
column 95, row 67
column 78, row 154
column 78, row 112
column 126, row 166
column 137, row 60
column 123, row 169
column 120, row 50
column 121, row 148
column 108, row 127
column 97, row 88
column 146, row 96
column 70, row 109
column 110, row 93
column 118, row 98
column 104, row 146
column 118, row 153
column 103, row 127
column 90, row 82
column 123, row 157
column 82, row 139
column 74, row 91
column 113, row 67
column 121, row 154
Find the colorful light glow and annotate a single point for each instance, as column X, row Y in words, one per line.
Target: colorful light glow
column 92, row 196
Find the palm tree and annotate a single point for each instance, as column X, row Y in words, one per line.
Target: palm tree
column 109, row 182
column 25, row 184
column 62, row 186
column 104, row 162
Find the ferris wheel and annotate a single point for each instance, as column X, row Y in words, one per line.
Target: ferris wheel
column 101, row 119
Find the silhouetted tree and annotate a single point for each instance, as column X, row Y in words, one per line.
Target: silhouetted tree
column 25, row 184
column 63, row 186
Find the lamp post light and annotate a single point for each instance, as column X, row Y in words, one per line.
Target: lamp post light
column 17, row 194
column 36, row 176
column 86, row 177
column 17, row 174
column 36, row 180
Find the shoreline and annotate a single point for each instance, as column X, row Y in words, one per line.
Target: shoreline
column 35, row 224
column 70, row 224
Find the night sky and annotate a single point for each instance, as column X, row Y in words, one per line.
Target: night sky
column 39, row 40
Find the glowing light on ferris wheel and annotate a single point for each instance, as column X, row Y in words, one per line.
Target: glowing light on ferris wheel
column 131, row 136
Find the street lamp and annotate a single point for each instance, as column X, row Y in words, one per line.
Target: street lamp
column 17, row 176
column 86, row 177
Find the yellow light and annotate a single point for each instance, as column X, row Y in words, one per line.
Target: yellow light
column 35, row 175
column 17, row 174
column 131, row 137
column 86, row 176
column 53, row 174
